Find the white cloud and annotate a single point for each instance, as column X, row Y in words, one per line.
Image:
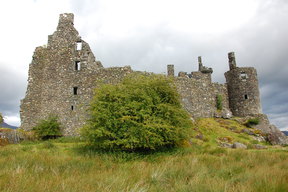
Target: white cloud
column 12, row 120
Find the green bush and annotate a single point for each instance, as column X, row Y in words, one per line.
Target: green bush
column 48, row 128
column 1, row 118
column 139, row 114
column 252, row 122
column 219, row 105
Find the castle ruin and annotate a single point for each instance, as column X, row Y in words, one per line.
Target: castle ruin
column 64, row 74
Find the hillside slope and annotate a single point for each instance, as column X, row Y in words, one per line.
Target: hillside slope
column 225, row 132
column 5, row 125
column 285, row 132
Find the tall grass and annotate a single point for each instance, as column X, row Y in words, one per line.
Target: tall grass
column 54, row 166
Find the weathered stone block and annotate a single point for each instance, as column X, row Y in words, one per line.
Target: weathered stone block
column 238, row 145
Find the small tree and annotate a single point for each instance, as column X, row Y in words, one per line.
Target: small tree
column 252, row 122
column 141, row 113
column 1, row 118
column 48, row 128
column 219, row 104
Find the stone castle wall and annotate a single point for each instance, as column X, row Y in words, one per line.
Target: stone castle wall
column 62, row 77
column 199, row 97
column 64, row 74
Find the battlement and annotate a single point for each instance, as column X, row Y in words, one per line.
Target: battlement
column 203, row 73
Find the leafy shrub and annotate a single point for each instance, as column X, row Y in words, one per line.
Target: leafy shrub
column 219, row 104
column 1, row 118
column 48, row 129
column 252, row 122
column 141, row 113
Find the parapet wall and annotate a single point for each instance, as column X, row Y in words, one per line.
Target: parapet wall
column 198, row 97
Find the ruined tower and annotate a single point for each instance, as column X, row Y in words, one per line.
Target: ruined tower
column 57, row 75
column 62, row 78
column 243, row 90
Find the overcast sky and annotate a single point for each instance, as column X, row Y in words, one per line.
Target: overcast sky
column 148, row 35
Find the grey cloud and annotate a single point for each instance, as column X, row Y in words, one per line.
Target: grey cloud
column 12, row 89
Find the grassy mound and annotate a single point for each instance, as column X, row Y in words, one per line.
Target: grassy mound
column 213, row 131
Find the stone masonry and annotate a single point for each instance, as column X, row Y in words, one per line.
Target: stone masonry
column 62, row 77
column 242, row 82
column 64, row 74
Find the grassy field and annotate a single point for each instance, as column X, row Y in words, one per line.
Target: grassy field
column 52, row 166
column 70, row 166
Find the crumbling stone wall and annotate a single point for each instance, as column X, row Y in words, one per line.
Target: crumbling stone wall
column 62, row 77
column 198, row 93
column 64, row 74
column 198, row 96
column 205, row 77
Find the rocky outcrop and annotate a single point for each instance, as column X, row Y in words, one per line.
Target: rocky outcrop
column 258, row 146
column 238, row 145
column 264, row 131
column 235, row 145
column 226, row 145
column 273, row 134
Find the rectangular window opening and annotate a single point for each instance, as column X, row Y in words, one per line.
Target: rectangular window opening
column 78, row 45
column 77, row 65
column 72, row 107
column 75, row 90
column 243, row 75
column 246, row 96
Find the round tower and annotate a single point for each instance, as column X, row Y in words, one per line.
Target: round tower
column 243, row 90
